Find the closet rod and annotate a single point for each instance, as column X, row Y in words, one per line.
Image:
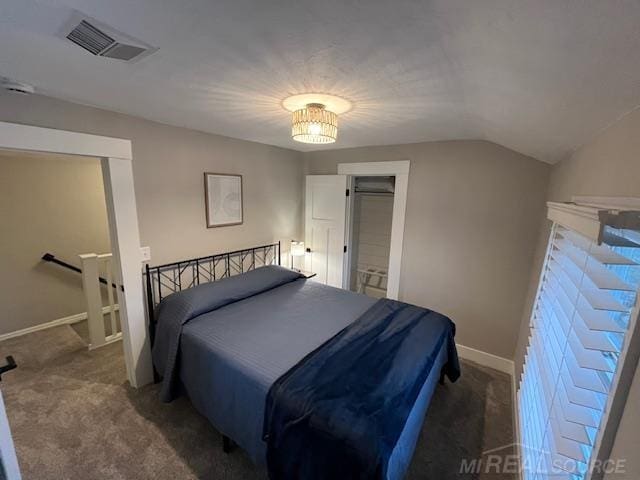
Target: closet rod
column 383, row 194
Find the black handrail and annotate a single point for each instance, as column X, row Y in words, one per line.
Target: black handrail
column 49, row 257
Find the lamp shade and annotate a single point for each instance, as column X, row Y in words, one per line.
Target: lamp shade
column 314, row 124
column 297, row 249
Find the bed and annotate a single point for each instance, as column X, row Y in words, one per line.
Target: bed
column 258, row 351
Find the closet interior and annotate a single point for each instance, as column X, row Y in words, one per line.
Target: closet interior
column 371, row 216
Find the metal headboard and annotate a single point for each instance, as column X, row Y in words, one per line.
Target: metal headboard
column 173, row 277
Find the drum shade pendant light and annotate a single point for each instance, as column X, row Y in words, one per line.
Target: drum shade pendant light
column 314, row 124
column 314, row 116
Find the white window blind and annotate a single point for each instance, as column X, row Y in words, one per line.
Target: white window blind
column 580, row 326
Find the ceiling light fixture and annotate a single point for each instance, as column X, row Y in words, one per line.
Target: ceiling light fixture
column 314, row 124
column 314, row 116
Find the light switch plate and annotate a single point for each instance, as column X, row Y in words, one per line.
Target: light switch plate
column 145, row 254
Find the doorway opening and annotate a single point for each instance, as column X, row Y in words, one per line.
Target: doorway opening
column 116, row 163
column 370, row 219
column 330, row 250
column 58, row 246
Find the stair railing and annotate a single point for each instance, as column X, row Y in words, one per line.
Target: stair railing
column 50, row 257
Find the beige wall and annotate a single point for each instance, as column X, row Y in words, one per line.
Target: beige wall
column 47, row 204
column 168, row 167
column 472, row 221
column 607, row 166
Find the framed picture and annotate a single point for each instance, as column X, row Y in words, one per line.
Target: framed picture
column 223, row 199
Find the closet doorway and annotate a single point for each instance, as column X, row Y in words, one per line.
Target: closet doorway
column 370, row 219
column 329, row 224
column 399, row 172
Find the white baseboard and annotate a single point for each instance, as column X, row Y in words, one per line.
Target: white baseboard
column 486, row 359
column 78, row 317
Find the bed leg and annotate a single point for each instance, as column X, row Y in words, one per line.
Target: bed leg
column 441, row 381
column 227, row 444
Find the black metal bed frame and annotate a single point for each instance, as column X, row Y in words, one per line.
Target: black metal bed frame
column 173, row 277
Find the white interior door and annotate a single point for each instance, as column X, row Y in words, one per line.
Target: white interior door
column 8, row 462
column 325, row 215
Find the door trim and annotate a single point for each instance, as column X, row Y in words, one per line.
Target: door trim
column 400, row 170
column 116, row 160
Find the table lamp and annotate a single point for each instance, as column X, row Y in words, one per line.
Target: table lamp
column 297, row 250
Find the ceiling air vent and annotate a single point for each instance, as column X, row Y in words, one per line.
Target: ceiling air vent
column 109, row 43
column 90, row 38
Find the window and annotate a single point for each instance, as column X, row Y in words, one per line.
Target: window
column 581, row 323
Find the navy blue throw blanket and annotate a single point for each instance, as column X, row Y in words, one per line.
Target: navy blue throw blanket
column 339, row 412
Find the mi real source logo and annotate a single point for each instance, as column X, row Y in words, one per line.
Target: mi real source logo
column 517, row 458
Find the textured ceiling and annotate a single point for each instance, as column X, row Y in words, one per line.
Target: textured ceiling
column 538, row 76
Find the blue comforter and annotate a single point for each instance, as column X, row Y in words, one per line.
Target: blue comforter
column 340, row 412
column 225, row 344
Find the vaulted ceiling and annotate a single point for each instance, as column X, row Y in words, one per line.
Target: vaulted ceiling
column 540, row 77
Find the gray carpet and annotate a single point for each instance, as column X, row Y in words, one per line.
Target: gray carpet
column 73, row 416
